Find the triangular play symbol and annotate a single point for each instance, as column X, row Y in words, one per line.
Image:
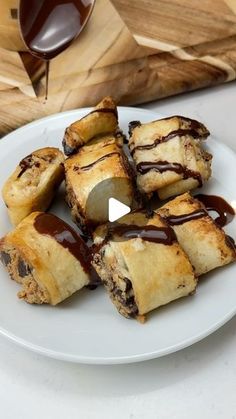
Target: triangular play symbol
column 117, row 209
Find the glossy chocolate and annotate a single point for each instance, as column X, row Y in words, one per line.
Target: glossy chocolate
column 151, row 233
column 67, row 237
column 170, row 136
column 164, row 166
column 175, row 220
column 48, row 27
column 217, row 204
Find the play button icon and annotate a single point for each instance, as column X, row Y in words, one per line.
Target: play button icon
column 117, row 209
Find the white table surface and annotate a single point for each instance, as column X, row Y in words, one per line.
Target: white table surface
column 199, row 381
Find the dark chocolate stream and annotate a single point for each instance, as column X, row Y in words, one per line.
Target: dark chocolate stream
column 67, row 237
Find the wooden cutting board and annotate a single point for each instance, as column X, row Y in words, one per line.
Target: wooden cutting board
column 135, row 51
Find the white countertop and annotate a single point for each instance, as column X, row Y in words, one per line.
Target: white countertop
column 199, row 381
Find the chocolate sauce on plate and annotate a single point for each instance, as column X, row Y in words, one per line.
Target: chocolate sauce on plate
column 67, row 237
column 48, row 27
column 163, row 166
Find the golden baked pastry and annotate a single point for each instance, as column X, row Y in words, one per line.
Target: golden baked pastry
column 93, row 175
column 47, row 257
column 206, row 244
column 33, row 184
column 168, row 155
column 141, row 264
column 101, row 121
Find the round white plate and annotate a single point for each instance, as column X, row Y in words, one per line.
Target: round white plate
column 87, row 328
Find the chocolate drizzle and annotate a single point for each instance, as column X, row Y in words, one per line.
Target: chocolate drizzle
column 104, row 110
column 217, row 204
column 25, row 164
column 175, row 220
column 193, row 124
column 67, row 237
column 89, row 166
column 163, row 235
column 164, row 166
column 173, row 134
column 212, row 203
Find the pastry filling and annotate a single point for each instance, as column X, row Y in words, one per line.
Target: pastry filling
column 22, row 273
column 122, row 296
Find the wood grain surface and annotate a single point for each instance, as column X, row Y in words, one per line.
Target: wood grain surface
column 187, row 54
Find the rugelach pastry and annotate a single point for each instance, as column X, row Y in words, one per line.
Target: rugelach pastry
column 33, row 184
column 169, row 156
column 205, row 243
column 99, row 122
column 142, row 264
column 93, row 175
column 47, row 257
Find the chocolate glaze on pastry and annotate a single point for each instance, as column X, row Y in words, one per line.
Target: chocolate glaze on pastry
column 201, row 237
column 141, row 264
column 164, row 166
column 48, row 258
column 169, row 156
column 33, row 184
column 67, row 237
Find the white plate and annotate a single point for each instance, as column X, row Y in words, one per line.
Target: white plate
column 87, row 328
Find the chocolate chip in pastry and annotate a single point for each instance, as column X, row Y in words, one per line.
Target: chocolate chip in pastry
column 99, row 122
column 48, row 258
column 142, row 264
column 169, row 156
column 95, row 174
column 33, row 184
column 205, row 243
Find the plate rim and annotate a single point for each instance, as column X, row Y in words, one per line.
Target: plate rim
column 93, row 360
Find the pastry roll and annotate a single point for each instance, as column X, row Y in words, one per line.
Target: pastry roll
column 97, row 173
column 102, row 120
column 206, row 244
column 33, row 184
column 141, row 264
column 47, row 257
column 168, row 155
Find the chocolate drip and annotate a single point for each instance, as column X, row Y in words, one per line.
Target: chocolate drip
column 151, row 233
column 175, row 220
column 215, row 203
column 67, row 237
column 163, row 166
column 89, row 166
column 173, row 134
